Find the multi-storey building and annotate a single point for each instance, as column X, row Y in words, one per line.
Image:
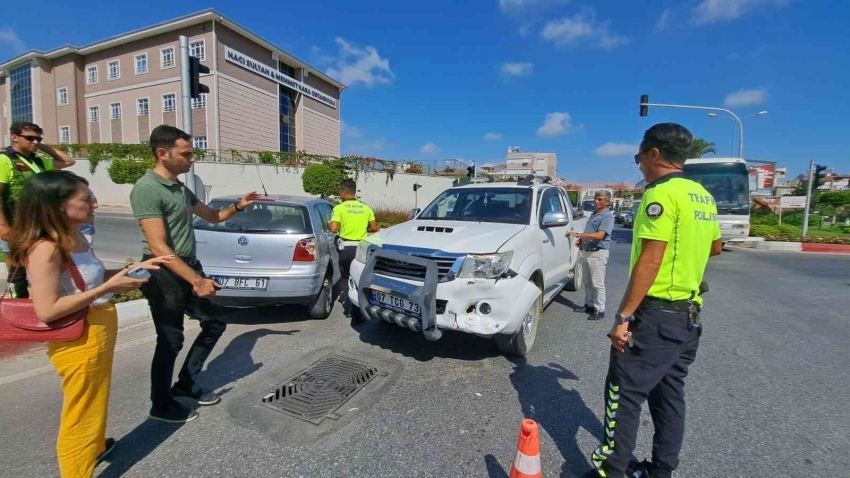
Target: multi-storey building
column 117, row 90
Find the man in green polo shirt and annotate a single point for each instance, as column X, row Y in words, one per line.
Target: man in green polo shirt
column 657, row 329
column 18, row 163
column 353, row 221
column 164, row 208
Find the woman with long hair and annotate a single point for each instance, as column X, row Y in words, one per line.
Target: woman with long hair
column 46, row 240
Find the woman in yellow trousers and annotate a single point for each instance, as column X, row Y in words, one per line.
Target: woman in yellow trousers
column 46, row 240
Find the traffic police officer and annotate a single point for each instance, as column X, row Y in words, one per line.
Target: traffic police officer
column 18, row 163
column 352, row 220
column 657, row 329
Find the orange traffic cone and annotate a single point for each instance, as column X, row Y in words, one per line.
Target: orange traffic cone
column 527, row 462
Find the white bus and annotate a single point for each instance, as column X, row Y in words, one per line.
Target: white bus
column 727, row 179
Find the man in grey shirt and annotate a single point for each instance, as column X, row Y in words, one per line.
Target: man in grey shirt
column 595, row 244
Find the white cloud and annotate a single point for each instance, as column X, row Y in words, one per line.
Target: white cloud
column 360, row 65
column 711, row 11
column 493, row 136
column 555, row 124
column 429, row 147
column 517, row 69
column 746, row 97
column 515, row 6
column 616, row 149
column 579, row 28
column 664, row 21
column 350, row 131
column 10, row 41
column 524, row 30
column 368, row 147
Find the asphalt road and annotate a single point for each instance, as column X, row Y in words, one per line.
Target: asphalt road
column 765, row 395
column 117, row 237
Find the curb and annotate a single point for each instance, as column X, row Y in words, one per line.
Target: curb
column 132, row 312
column 803, row 247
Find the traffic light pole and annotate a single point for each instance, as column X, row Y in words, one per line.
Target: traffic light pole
column 808, row 198
column 709, row 108
column 186, row 102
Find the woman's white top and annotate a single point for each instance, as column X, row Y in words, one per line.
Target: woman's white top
column 91, row 269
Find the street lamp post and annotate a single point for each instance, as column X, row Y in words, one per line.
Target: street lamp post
column 739, row 122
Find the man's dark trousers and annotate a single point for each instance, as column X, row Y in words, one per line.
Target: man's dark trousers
column 653, row 370
column 170, row 298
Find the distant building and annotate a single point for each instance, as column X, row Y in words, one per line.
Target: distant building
column 522, row 163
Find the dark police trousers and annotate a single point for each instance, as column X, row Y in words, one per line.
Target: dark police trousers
column 652, row 370
column 346, row 257
column 170, row 298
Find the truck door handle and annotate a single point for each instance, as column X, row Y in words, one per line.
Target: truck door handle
column 545, row 241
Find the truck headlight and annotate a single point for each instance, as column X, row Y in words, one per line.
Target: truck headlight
column 363, row 251
column 486, row 266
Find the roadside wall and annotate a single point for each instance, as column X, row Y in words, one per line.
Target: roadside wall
column 225, row 179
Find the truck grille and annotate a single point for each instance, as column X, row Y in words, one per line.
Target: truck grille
column 406, row 270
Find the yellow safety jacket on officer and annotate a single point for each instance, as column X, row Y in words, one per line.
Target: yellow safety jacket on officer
column 682, row 213
column 353, row 217
column 15, row 169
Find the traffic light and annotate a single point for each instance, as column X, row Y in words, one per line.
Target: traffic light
column 470, row 171
column 820, row 175
column 195, row 70
column 416, row 187
column 644, row 108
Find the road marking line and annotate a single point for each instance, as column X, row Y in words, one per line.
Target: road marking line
column 48, row 368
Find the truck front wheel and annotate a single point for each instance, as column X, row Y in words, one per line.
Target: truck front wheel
column 520, row 343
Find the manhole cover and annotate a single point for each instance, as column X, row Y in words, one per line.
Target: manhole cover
column 317, row 391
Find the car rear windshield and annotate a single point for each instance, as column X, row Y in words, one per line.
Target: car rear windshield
column 512, row 206
column 261, row 217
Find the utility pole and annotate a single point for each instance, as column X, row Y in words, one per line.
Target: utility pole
column 808, row 198
column 186, row 101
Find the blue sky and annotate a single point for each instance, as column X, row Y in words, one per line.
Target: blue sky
column 436, row 80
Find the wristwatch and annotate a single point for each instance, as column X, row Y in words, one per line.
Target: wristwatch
column 236, row 206
column 622, row 319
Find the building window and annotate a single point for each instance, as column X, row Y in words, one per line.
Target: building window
column 20, row 84
column 169, row 103
column 200, row 102
column 65, row 135
column 94, row 114
column 166, row 57
column 62, row 96
column 287, row 119
column 115, row 110
column 141, row 63
column 143, row 107
column 91, row 75
column 286, row 69
column 199, row 142
column 114, row 70
column 198, row 50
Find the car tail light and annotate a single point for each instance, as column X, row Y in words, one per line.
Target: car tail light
column 305, row 251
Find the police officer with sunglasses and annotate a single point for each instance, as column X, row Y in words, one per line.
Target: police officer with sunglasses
column 18, row 163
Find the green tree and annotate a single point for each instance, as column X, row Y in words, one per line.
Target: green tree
column 321, row 180
column 701, row 147
column 835, row 198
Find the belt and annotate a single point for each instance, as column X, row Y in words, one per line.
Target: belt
column 592, row 249
column 661, row 304
column 346, row 242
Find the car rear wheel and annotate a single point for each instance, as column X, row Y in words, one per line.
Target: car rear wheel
column 321, row 305
column 521, row 342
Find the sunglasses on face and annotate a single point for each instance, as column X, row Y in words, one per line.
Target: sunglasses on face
column 30, row 138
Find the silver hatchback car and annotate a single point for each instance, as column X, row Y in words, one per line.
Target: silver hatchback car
column 279, row 250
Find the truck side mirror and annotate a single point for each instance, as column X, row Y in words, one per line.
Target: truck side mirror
column 414, row 212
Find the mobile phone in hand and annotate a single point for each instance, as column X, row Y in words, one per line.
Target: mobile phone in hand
column 139, row 273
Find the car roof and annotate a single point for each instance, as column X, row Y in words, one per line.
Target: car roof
column 277, row 198
column 505, row 185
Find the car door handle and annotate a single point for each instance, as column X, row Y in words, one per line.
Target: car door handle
column 545, row 241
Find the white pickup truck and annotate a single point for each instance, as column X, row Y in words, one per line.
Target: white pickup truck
column 481, row 258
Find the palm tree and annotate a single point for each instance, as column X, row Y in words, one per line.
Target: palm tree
column 701, row 147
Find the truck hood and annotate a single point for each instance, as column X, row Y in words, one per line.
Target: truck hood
column 461, row 237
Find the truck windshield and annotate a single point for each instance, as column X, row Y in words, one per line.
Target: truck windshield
column 728, row 183
column 589, row 205
column 507, row 205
